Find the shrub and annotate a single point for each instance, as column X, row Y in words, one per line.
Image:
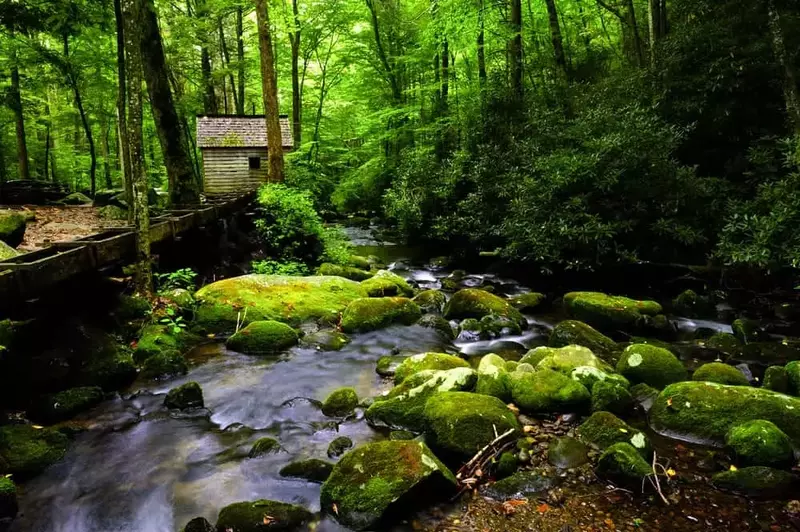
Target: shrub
column 273, row 267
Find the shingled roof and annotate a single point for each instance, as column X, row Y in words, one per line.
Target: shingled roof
column 238, row 131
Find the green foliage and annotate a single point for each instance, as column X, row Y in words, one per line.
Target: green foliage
column 183, row 278
column 173, row 322
column 273, row 267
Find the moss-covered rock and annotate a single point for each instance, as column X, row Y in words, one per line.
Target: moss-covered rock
column 12, row 228
column 431, row 301
column 158, row 339
column 387, row 365
column 8, row 499
column 521, row 485
column 476, row 303
column 185, row 396
column 572, row 332
column 179, row 297
column 705, row 411
column 506, row 465
column 760, row 443
column 492, row 326
column 611, row 396
column 609, row 312
column 251, row 516
column 756, row 481
column 368, row 480
column 493, row 378
column 546, row 390
column 721, row 374
column 7, row 252
column 67, row 404
column 164, row 365
column 527, row 302
column 650, row 364
column 131, row 308
column 748, row 331
column 340, row 403
column 385, row 283
column 263, row 337
column 793, row 374
column 461, row 424
column 623, row 464
column 292, row 300
column 327, row 340
column 264, row 446
column 439, row 324
column 369, row 314
column 76, row 198
column 427, row 361
column 590, row 375
column 724, row 343
column 776, row 379
column 348, row 272
column 564, row 359
column 401, row 435
column 339, row 446
column 313, row 470
column 644, row 395
column 357, row 261
column 566, row 453
column 110, row 371
column 198, row 524
column 604, row 429
column 692, row 305
column 26, row 451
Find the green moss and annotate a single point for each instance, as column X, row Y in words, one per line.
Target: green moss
column 548, row 391
column 688, row 303
column 521, row 485
column 7, row 252
column 178, row 297
column 604, row 429
column 264, row 446
column 76, row 198
column 263, row 337
column 401, row 435
column 725, row 343
column 348, row 272
column 249, row 516
column 198, row 524
column 66, row 404
column 340, row 403
column 369, row 314
column 611, row 396
column 650, row 364
column 527, row 302
column 760, row 443
column 705, row 411
column 357, row 261
column 609, row 312
column 164, row 365
column 494, row 325
column 112, row 212
column 26, row 451
column 506, row 465
column 721, row 374
column 476, row 303
column 427, row 361
column 132, row 308
column 451, row 285
column 589, row 376
column 292, row 300
column 461, row 423
column 339, row 446
column 566, row 453
column 385, row 283
column 439, row 324
column 159, row 339
column 748, row 331
column 756, row 481
column 793, row 374
column 387, row 365
column 188, row 395
column 368, row 480
column 572, row 332
column 313, row 470
column 327, row 340
column 776, row 379
column 8, row 499
column 564, row 359
column 111, row 371
column 431, row 301
column 623, row 464
column 12, row 228
column 766, row 353
column 493, row 378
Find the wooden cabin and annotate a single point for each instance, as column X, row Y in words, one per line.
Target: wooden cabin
column 234, row 150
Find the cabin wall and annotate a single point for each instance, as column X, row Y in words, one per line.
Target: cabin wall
column 228, row 170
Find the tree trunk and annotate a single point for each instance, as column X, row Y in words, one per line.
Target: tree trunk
column 790, row 91
column 391, row 75
column 16, row 106
column 227, row 57
column 210, row 106
column 48, row 138
column 481, row 50
column 105, row 150
column 445, row 74
column 555, row 36
column 182, row 185
column 638, row 47
column 515, row 48
column 122, row 133
column 141, row 217
column 297, row 101
column 72, row 79
column 240, row 59
column 270, row 93
column 3, row 168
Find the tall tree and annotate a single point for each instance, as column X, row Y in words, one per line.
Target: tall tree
column 515, row 47
column 122, row 100
column 297, row 98
column 388, row 69
column 790, row 90
column 240, row 59
column 269, row 85
column 555, row 36
column 226, row 56
column 210, row 105
column 70, row 70
column 16, row 106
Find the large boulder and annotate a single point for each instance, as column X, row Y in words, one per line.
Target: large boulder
column 261, row 515
column 387, row 284
column 26, row 451
column 185, row 396
column 66, row 404
column 461, row 423
column 493, row 378
column 263, row 337
column 564, row 359
column 291, row 300
column 12, row 228
column 476, row 303
column 546, row 390
column 604, row 429
column 704, row 412
column 721, row 374
column 608, row 312
column 760, row 443
column 431, row 301
column 651, row 365
column 367, row 481
column 7, row 252
column 427, row 361
column 369, row 314
column 527, row 302
column 573, row 332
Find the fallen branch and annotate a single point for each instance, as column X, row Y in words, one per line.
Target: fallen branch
column 480, row 453
column 471, row 472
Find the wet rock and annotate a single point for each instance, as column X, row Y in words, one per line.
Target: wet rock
column 609, row 312
column 611, row 396
column 108, row 365
column 264, row 446
column 564, row 359
column 327, row 340
column 431, row 301
column 649, row 364
column 721, row 374
column 348, row 272
column 26, row 451
column 748, row 331
column 776, row 379
column 493, row 378
column 566, row 453
column 339, row 446
column 263, row 337
column 313, row 470
column 756, row 481
column 67, row 404
column 644, row 395
column 12, row 228
column 387, row 284
column 340, row 403
column 461, row 424
column 572, row 332
column 705, row 411
column 367, row 481
column 589, row 376
column 198, row 524
column 8, row 499
column 604, row 429
column 401, row 435
column 623, row 464
column 793, row 374
column 369, row 314
column 387, row 365
column 546, row 390
column 493, row 326
column 725, row 343
column 250, row 516
column 527, row 302
column 159, row 339
column 476, row 303
column 760, row 443
column 164, row 365
column 7, row 252
column 427, row 361
column 688, row 303
column 186, row 396
column 520, row 485
column 179, row 297
column 765, row 353
column 439, row 324
column 506, row 465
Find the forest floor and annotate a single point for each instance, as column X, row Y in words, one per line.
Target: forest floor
column 60, row 223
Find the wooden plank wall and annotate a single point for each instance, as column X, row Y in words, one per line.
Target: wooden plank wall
column 228, row 170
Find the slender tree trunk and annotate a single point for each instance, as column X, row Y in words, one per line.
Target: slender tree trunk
column 133, row 45
column 210, row 105
column 445, row 74
column 391, row 75
column 105, row 149
column 240, row 59
column 297, row 100
column 790, row 90
column 122, row 98
column 555, row 36
column 46, row 172
column 638, row 46
column 72, row 79
column 515, row 48
column 481, row 50
column 227, row 57
column 3, row 168
column 270, row 93
column 16, row 105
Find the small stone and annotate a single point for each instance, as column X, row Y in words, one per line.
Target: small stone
column 264, row 446
column 339, row 446
column 340, row 403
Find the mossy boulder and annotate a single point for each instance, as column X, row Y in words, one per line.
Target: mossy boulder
column 692, row 305
column 760, row 443
column 521, row 485
column 776, row 379
column 604, row 429
column 158, row 339
column 572, row 332
column 431, row 301
column 198, row 524
column 26, row 451
column 439, row 324
column 8, row 499
column 608, row 312
column 623, row 464
column 493, row 378
column 590, row 375
column 527, row 302
column 112, row 212
column 108, row 370
column 348, row 272
column 385, row 283
column 339, row 446
column 546, row 390
column 179, row 297
column 263, row 337
column 506, row 465
column 367, row 481
column 427, row 361
column 387, row 365
column 564, row 359
column 748, row 331
column 704, row 412
column 724, row 343
column 650, row 364
column 67, row 404
column 12, row 228
column 793, row 375
column 476, row 303
column 76, row 198
column 185, row 396
column 460, row 424
column 251, row 516
column 721, row 374
column 756, row 481
column 566, row 453
column 611, row 396
column 312, row 470
column 291, row 300
column 264, row 446
column 164, row 365
column 328, row 340
column 357, row 261
column 7, row 252
column 340, row 403
column 369, row 314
